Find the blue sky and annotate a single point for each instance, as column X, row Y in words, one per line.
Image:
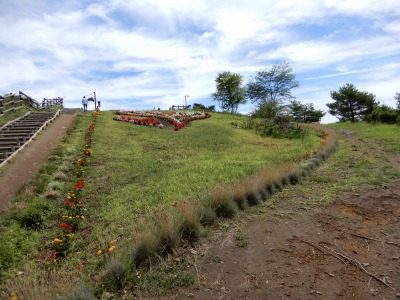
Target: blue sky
column 144, row 54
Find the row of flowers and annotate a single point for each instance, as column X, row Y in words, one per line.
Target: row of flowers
column 152, row 122
column 75, row 209
column 178, row 119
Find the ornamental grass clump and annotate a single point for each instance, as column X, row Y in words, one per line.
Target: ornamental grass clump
column 147, row 244
column 82, row 292
column 190, row 221
column 254, row 186
column 239, row 194
column 293, row 177
column 168, row 225
column 221, row 201
column 114, row 276
column 207, row 215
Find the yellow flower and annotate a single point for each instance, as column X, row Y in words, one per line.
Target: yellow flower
column 112, row 248
column 99, row 252
column 14, row 296
column 69, row 235
column 113, row 241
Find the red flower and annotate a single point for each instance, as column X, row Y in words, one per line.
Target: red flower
column 66, row 226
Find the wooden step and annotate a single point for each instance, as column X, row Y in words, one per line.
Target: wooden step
column 21, row 139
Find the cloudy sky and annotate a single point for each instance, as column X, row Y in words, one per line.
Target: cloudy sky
column 141, row 54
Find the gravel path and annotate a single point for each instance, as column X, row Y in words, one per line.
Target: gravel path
column 25, row 165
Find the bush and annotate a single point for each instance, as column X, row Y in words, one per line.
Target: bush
column 281, row 127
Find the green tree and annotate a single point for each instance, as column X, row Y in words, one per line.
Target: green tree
column 271, row 109
column 229, row 91
column 397, row 98
column 199, row 106
column 382, row 114
column 305, row 113
column 273, row 84
column 351, row 104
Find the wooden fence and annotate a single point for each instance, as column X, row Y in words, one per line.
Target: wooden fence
column 52, row 102
column 180, row 107
column 13, row 102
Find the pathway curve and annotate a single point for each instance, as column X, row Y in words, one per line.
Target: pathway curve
column 25, row 165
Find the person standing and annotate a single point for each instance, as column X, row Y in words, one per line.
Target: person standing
column 84, row 103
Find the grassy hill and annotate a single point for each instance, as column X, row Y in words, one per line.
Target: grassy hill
column 144, row 190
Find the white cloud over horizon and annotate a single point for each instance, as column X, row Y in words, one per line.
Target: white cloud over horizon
column 140, row 54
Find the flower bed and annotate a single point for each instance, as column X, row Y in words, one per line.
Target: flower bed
column 74, row 204
column 149, row 118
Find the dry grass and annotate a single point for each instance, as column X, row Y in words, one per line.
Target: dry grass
column 190, row 221
column 221, row 201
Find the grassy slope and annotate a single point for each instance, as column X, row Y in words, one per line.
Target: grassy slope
column 140, row 169
column 136, row 171
column 387, row 134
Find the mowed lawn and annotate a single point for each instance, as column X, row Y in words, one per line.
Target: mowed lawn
column 137, row 170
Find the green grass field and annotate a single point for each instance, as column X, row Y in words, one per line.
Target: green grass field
column 389, row 135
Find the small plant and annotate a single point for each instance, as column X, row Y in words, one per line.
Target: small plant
column 190, row 223
column 240, row 240
column 114, row 277
column 207, row 216
column 168, row 231
column 82, row 292
column 222, row 203
column 147, row 245
column 293, row 178
column 239, row 194
column 253, row 195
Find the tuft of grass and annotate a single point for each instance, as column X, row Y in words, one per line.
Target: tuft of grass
column 147, row 245
column 239, row 194
column 82, row 292
column 114, row 276
column 190, row 221
column 240, row 240
column 207, row 215
column 293, row 177
column 221, row 201
column 254, row 185
column 168, row 230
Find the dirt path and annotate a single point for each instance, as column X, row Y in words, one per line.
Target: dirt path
column 294, row 249
column 25, row 165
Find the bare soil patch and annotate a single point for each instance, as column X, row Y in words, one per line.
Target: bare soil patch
column 348, row 249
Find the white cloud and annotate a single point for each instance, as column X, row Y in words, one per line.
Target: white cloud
column 153, row 52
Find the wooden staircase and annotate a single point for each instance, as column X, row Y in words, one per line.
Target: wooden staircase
column 15, row 135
